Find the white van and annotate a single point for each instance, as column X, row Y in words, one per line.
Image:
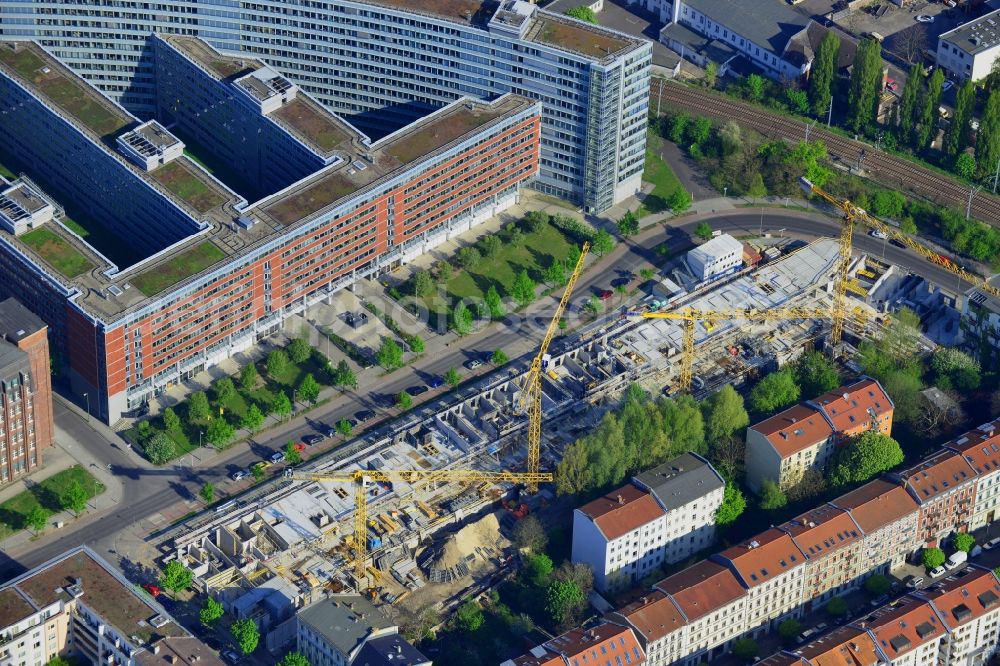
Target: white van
column 957, row 559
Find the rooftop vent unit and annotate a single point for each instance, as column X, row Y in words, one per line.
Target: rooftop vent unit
column 115, row 290
column 246, row 222
column 75, row 590
column 158, row 621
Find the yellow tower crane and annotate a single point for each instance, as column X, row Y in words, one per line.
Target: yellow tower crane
column 531, row 394
column 854, row 214
column 361, row 477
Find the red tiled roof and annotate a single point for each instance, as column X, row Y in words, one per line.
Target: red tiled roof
column 653, row 616
column 599, row 645
column 780, row 659
column 877, row 504
column 623, row 510
column 844, row 646
column 905, row 626
column 702, row 589
column 981, row 447
column 544, row 658
column 765, row 557
column 966, row 596
column 822, row 531
column 848, row 407
column 942, row 472
column 797, row 428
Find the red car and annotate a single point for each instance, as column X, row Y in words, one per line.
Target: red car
column 606, row 295
column 152, row 589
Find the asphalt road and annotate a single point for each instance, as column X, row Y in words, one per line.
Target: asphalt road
column 148, row 491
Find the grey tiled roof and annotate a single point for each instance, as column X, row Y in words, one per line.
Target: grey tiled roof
column 681, row 480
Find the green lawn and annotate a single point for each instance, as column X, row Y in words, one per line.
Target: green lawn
column 188, row 185
column 57, row 251
column 658, row 173
column 7, row 173
column 534, row 254
column 14, row 512
column 181, row 266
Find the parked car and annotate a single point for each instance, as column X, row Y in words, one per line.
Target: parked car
column 312, row 440
column 152, row 589
column 879, row 601
column 327, row 431
column 238, row 475
column 991, row 544
column 260, row 464
column 937, row 572
column 364, row 415
column 435, row 382
column 606, row 294
column 957, row 559
column 277, row 457
column 231, row 657
column 416, row 390
column 924, row 18
column 913, row 582
column 897, row 243
column 875, row 233
column 891, row 85
column 948, row 85
column 472, row 363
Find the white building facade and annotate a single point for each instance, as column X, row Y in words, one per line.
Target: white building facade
column 720, row 256
column 969, row 51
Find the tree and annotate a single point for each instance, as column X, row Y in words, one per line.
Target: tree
column 584, row 13
column 529, row 534
column 812, row 484
column 628, row 224
column 175, row 577
column 700, row 131
column 573, row 474
column 771, row 496
column 299, row 350
column 160, row 448
column 988, row 136
column 711, row 74
column 490, row 246
column 776, row 391
column 745, row 649
column 253, row 419
column 555, row 273
column 499, row 357
column 445, row 271
column 75, row 498
column 423, row 284
column 863, row 93
column 888, row 203
column 170, row 419
column 877, row 585
column 679, row 200
column 468, row 257
column 602, row 243
column 789, row 629
column 757, row 188
column 198, row 408
column 345, row 428
column 225, row 390
column 344, row 376
column 523, row 289
column 798, row 101
column 837, row 607
column 646, row 274
column 755, row 87
column 292, row 455
column 282, row 405
column 908, row 104
column 563, row 599
column 219, row 432
column 210, row 612
column 576, row 572
column 37, row 518
column 733, row 505
column 246, row 634
column 864, row 457
column 309, row 388
column 494, row 304
column 389, row 355
column 964, row 542
column 461, row 319
column 452, row 378
column 248, row 377
column 724, row 414
column 404, row 401
column 294, row 659
column 469, row 617
column 258, row 472
column 956, row 138
column 823, row 73
column 277, row 363
column 929, row 109
column 207, row 492
column 703, row 231
column 538, row 569
column 534, row 220
column 933, row 558
column 965, row 166
column 815, row 374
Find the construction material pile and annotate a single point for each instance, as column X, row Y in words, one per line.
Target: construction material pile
column 464, row 551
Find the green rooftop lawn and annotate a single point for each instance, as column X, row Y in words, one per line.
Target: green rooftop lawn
column 188, row 185
column 437, row 133
column 292, row 208
column 578, row 38
column 48, row 494
column 7, row 173
column 319, row 129
column 181, row 266
column 57, row 252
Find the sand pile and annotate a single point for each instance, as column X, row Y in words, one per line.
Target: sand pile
column 463, row 551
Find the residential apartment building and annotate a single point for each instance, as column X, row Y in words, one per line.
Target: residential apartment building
column 833, row 547
column 772, row 569
column 341, row 630
column 665, row 515
column 944, row 487
column 970, row 50
column 843, row 645
column 218, row 273
column 981, row 448
column 382, row 64
column 606, row 644
column 659, row 625
column 889, row 519
column 906, row 632
column 783, row 447
column 713, row 604
column 77, row 605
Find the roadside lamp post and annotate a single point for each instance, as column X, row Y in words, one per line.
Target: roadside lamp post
column 87, row 398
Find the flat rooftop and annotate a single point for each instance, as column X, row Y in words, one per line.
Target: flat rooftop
column 576, row 36
column 13, row 607
column 314, row 125
column 221, row 65
column 58, row 85
column 977, row 35
column 467, row 12
column 192, row 185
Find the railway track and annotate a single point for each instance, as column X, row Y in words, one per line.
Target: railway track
column 887, row 169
